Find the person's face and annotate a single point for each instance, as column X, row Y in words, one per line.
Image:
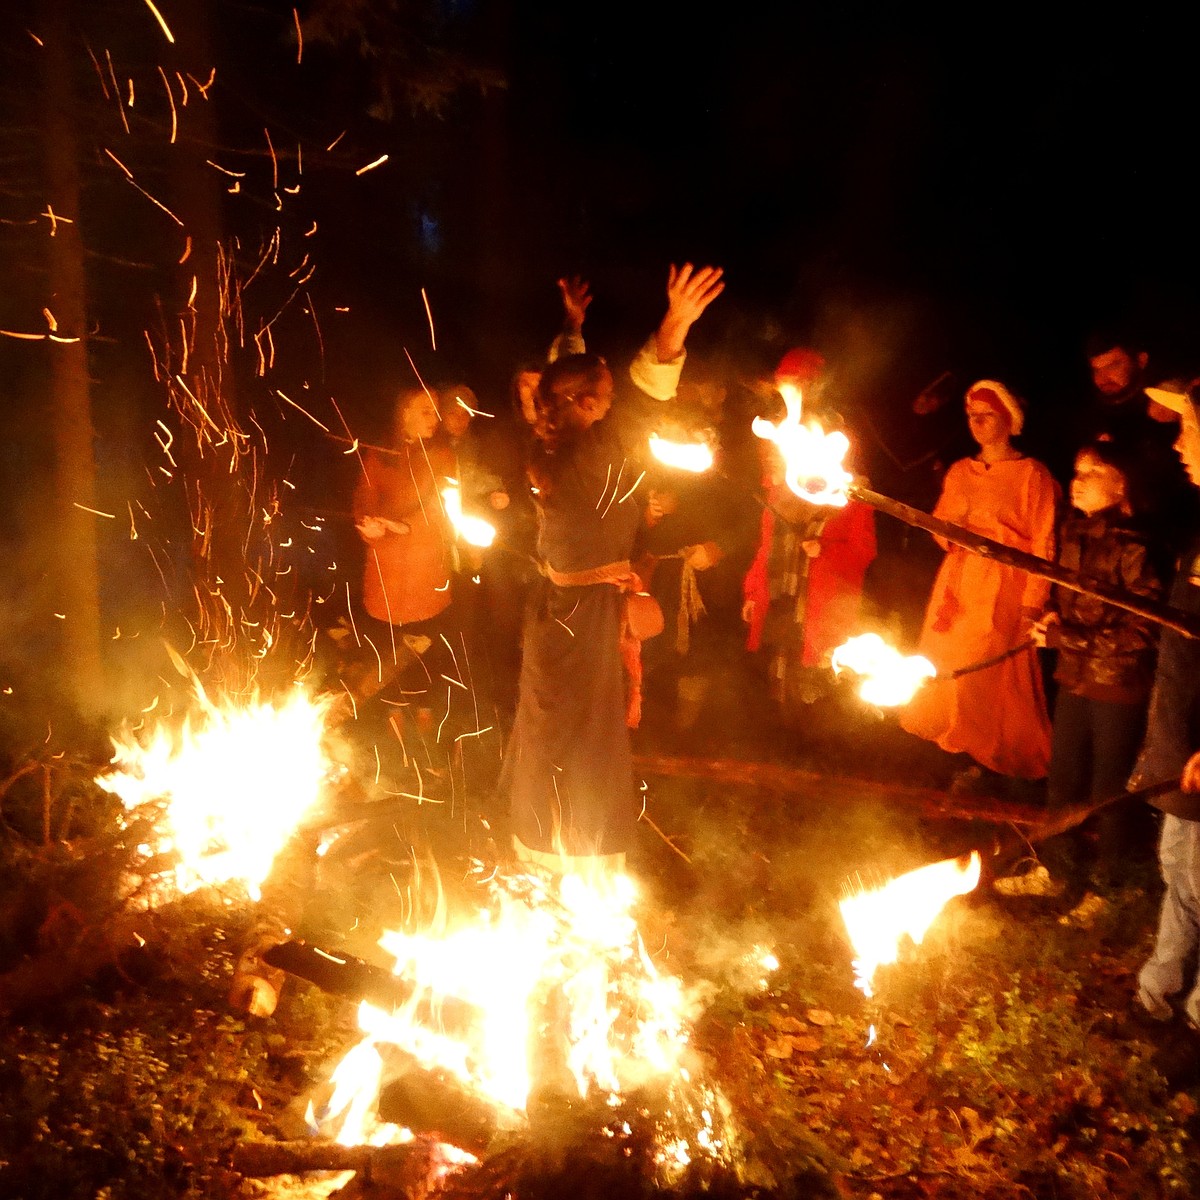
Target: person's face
column 456, row 418
column 1096, row 485
column 1187, row 445
column 1113, row 372
column 592, row 406
column 417, row 417
column 527, row 386
column 989, row 426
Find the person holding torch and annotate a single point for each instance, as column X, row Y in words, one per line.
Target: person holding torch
column 981, row 609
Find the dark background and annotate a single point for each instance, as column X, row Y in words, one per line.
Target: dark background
column 915, row 195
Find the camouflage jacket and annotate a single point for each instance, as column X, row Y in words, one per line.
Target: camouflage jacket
column 1104, row 652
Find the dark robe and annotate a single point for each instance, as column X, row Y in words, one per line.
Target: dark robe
column 569, row 768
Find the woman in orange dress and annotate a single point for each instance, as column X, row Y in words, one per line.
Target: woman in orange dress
column 981, row 608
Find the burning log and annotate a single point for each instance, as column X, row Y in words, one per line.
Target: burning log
column 432, row 1102
column 256, row 985
column 411, row 1160
column 356, row 979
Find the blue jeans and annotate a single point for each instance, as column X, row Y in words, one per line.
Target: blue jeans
column 1173, row 966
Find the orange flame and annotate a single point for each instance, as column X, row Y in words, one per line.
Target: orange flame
column 889, row 678
column 475, row 531
column 813, row 459
column 571, row 948
column 696, row 457
column 233, row 782
column 877, row 919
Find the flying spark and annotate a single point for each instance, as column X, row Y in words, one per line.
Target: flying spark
column 159, row 18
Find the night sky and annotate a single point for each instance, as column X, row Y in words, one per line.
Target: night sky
column 912, row 194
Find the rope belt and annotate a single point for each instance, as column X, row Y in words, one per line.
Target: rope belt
column 618, row 573
column 629, row 644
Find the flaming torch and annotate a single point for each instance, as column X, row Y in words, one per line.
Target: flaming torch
column 888, row 678
column 877, row 919
column 696, row 457
column 475, row 531
column 814, row 470
column 813, row 459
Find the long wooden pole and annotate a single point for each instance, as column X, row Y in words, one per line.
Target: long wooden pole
column 1187, row 624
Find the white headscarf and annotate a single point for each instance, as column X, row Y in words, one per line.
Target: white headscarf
column 1007, row 401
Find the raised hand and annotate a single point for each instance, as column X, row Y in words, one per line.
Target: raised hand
column 690, row 290
column 576, row 296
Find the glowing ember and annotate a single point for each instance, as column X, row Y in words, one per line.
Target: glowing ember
column 888, row 678
column 475, row 531
column 813, row 459
column 684, row 456
column 548, row 987
column 878, row 918
column 232, row 781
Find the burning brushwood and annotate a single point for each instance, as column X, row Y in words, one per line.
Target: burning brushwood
column 544, row 998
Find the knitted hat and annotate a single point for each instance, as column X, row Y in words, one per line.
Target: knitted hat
column 800, row 366
column 988, row 391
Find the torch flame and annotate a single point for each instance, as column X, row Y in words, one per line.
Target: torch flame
column 813, row 459
column 889, row 678
column 696, row 457
column 475, row 531
column 878, row 918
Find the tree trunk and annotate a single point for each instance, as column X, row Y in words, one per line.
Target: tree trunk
column 74, row 553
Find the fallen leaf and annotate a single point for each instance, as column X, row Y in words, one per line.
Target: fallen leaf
column 820, row 1016
column 780, row 1048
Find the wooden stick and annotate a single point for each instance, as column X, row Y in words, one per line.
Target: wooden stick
column 1058, row 821
column 1187, row 624
column 262, row 1158
column 826, row 789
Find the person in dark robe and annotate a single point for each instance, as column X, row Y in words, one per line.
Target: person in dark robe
column 569, row 768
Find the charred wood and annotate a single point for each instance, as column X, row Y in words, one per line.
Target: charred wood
column 434, row 1103
column 258, row 1159
column 355, row 979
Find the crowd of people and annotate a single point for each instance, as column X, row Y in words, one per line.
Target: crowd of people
column 618, row 584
